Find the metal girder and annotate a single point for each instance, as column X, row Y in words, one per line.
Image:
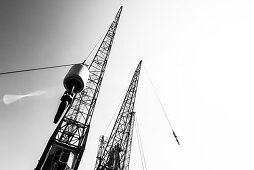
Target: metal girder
column 114, row 152
column 71, row 133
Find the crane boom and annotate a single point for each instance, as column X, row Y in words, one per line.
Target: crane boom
column 114, row 152
column 65, row 147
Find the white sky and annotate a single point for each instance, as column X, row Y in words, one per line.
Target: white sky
column 199, row 55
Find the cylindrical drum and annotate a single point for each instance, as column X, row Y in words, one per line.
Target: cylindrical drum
column 76, row 78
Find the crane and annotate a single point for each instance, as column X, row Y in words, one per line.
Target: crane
column 66, row 146
column 114, row 152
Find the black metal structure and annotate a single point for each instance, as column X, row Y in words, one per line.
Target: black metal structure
column 114, row 152
column 65, row 147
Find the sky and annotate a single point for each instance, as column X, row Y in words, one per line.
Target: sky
column 199, row 55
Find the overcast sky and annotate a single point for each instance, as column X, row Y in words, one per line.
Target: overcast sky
column 199, row 55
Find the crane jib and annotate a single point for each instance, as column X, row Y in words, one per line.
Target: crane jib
column 66, row 146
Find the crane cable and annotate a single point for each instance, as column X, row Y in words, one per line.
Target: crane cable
column 140, row 146
column 34, row 69
column 95, row 46
column 103, row 35
column 116, row 111
column 150, row 80
column 49, row 67
column 57, row 66
column 112, row 119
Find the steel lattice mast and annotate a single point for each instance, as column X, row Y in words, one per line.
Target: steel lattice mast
column 65, row 147
column 114, row 152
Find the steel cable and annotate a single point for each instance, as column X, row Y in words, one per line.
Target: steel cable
column 150, row 80
column 140, row 145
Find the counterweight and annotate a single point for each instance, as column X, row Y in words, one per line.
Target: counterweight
column 65, row 147
column 114, row 152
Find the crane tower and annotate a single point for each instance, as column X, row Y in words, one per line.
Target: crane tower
column 114, row 152
column 65, row 147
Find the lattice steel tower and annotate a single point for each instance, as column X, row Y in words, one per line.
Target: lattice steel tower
column 65, row 147
column 114, row 152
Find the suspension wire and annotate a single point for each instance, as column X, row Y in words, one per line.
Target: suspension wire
column 150, row 80
column 116, row 111
column 140, row 145
column 95, row 46
column 65, row 65
column 34, row 69
column 112, row 118
column 140, row 151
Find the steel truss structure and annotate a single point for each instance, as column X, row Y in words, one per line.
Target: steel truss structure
column 114, row 152
column 66, row 146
